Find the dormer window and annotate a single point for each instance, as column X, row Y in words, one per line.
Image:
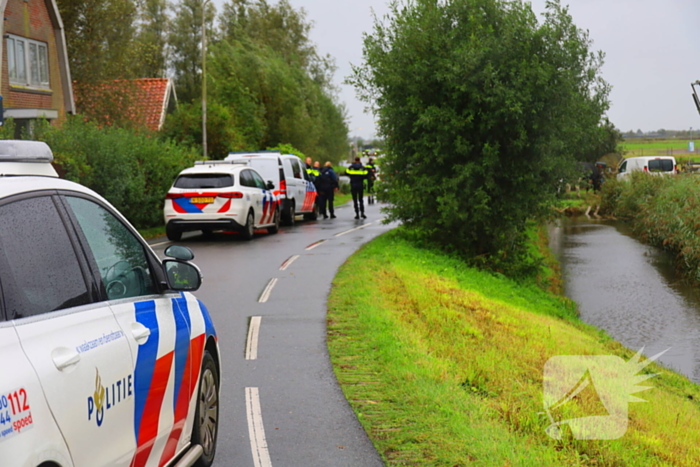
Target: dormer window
column 27, row 62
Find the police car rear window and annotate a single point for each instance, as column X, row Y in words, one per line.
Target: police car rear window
column 661, row 165
column 204, row 181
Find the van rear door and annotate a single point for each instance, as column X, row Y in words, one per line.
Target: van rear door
column 661, row 165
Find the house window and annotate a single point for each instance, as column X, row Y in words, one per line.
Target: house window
column 27, row 62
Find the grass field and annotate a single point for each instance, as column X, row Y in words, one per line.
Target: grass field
column 656, row 147
column 443, row 365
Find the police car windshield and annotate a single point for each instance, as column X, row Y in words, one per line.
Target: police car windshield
column 204, row 181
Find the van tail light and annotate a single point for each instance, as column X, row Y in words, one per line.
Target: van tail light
column 675, row 168
column 646, row 169
column 173, row 195
column 283, row 187
column 232, row 195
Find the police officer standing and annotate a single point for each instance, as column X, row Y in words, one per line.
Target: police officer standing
column 326, row 184
column 358, row 174
column 371, row 177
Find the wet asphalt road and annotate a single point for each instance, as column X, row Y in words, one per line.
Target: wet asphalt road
column 306, row 420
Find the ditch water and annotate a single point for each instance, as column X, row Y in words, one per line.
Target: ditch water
column 630, row 290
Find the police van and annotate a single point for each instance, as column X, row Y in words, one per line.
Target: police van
column 107, row 357
column 292, row 184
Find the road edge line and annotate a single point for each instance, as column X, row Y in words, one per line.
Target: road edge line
column 352, row 230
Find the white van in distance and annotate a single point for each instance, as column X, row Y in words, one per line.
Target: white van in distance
column 660, row 165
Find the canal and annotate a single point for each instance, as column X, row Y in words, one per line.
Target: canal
column 630, row 290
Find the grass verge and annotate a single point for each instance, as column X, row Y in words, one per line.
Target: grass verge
column 443, row 365
column 153, row 232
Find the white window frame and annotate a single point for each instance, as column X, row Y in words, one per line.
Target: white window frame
column 18, row 62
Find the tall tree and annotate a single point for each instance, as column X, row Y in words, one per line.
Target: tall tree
column 152, row 39
column 283, row 29
column 185, row 39
column 100, row 35
column 481, row 107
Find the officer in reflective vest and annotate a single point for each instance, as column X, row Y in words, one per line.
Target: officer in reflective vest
column 313, row 171
column 371, row 177
column 358, row 174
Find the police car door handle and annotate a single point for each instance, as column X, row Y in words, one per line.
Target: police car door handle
column 64, row 357
column 140, row 333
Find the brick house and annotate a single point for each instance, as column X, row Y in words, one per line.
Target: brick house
column 36, row 80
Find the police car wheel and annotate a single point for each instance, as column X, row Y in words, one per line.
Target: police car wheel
column 206, row 419
column 313, row 215
column 173, row 235
column 289, row 218
column 249, row 229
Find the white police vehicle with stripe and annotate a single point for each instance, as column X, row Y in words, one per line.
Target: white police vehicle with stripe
column 221, row 195
column 107, row 357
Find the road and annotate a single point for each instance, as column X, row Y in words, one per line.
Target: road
column 280, row 402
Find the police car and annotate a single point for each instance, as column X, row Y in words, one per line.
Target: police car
column 106, row 358
column 221, row 195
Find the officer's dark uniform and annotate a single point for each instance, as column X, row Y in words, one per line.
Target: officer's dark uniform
column 371, row 176
column 326, row 183
column 357, row 173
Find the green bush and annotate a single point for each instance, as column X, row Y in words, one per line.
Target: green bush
column 133, row 171
column 629, row 197
column 484, row 110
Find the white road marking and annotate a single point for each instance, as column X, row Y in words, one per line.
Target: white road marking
column 251, row 347
column 287, row 263
column 268, row 290
column 352, row 230
column 314, row 245
column 256, row 430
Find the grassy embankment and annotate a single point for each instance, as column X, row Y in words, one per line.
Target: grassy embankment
column 443, row 365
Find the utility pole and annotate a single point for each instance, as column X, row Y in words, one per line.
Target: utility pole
column 695, row 94
column 204, row 79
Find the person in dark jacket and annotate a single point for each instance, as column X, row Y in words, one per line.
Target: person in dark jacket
column 326, row 184
column 358, row 174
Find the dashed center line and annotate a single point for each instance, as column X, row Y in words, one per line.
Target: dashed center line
column 251, row 347
column 288, row 262
column 256, row 430
column 352, row 230
column 268, row 290
column 314, row 245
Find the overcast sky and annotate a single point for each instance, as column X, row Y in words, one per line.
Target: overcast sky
column 652, row 52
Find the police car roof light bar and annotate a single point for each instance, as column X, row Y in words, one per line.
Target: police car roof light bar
column 25, row 151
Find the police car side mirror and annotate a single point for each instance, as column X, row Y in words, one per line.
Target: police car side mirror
column 270, row 185
column 181, row 275
column 179, row 252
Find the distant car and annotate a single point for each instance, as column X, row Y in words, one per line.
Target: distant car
column 287, row 172
column 221, row 195
column 660, row 165
column 108, row 359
